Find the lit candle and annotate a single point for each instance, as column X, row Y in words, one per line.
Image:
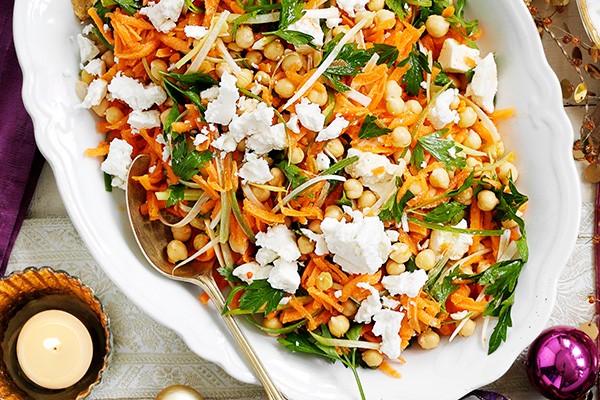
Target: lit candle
column 54, row 349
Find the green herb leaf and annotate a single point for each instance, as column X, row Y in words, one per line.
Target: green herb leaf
column 417, row 158
column 302, row 342
column 187, row 164
column 179, row 94
column 293, row 174
column 344, row 201
column 397, row 6
column 107, row 182
column 348, row 62
column 509, row 203
column 372, row 127
column 445, row 228
column 443, row 288
column 387, row 54
column 392, row 210
column 446, row 213
column 129, row 6
column 176, row 193
column 291, row 11
column 416, row 71
column 441, row 79
column 227, row 273
column 340, row 165
column 101, row 39
column 198, row 80
column 294, row 38
column 465, row 185
column 259, row 296
column 194, row 8
column 443, row 150
column 101, row 10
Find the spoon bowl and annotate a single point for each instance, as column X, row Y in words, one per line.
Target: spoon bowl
column 152, row 238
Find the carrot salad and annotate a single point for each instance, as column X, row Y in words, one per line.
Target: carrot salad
column 337, row 163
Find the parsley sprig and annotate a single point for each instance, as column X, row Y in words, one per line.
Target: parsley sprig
column 291, row 11
column 443, row 150
column 186, row 163
column 418, row 66
column 259, row 296
column 372, row 127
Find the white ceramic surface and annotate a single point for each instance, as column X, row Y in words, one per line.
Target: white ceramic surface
column 540, row 134
column 590, row 15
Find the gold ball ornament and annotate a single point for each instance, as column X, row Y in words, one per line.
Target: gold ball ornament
column 178, row 392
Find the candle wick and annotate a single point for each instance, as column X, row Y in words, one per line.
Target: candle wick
column 52, row 344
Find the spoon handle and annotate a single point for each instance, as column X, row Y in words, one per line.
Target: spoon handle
column 208, row 284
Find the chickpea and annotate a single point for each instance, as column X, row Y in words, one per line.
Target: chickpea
column 101, row 108
column 495, row 150
column 473, row 140
column 394, row 268
column 455, row 103
column 176, row 251
column 261, row 194
column 372, row 358
column 343, row 29
column 324, row 281
column 415, row 188
column 113, row 115
column 428, row 340
column 393, row 90
column 472, row 162
column 278, row 177
column 285, row 88
column 234, row 49
column 200, row 240
column 465, row 197
column 272, row 323
column 335, row 147
column 244, row 37
column 81, row 89
column 353, row 188
column 223, row 67
column 318, row 94
column 334, row 212
column 292, row 62
column 254, row 57
column 244, row 78
column 468, row 328
column 274, row 50
column 439, row 178
column 367, row 199
column 400, row 253
column 487, row 200
column 338, row 325
column 395, row 105
column 109, row 58
column 401, row 136
column 156, row 67
column 425, row 260
column 297, row 155
column 506, row 171
column 350, row 308
column 385, row 19
column 414, row 106
column 305, row 245
column 263, row 78
column 468, row 117
column 437, row 26
column 315, row 226
column 364, row 14
column 86, row 77
column 375, row 5
column 182, row 233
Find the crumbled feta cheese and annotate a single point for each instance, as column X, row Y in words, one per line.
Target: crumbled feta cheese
column 255, row 170
column 457, row 58
column 117, row 162
column 163, row 15
column 95, row 94
column 263, row 142
column 374, row 170
column 351, row 6
column 333, row 130
column 322, row 161
column 249, row 272
column 210, row 94
column 320, row 243
column 390, row 303
column 89, row 28
column 387, row 326
column 440, row 114
column 292, row 124
column 226, row 143
column 222, row 109
column 250, row 123
column 265, row 256
column 338, row 294
column 454, row 245
column 408, row 283
column 166, row 152
column 484, row 85
column 332, row 22
column 311, row 27
column 360, row 246
column 281, row 240
column 143, row 120
column 195, row 32
column 247, row 105
column 284, row 276
column 133, row 92
column 94, row 67
column 87, row 49
column 368, row 308
column 199, row 139
column 310, row 115
column 285, row 300
column 460, row 315
column 393, row 235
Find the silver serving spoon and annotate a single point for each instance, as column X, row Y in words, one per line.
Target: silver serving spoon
column 152, row 238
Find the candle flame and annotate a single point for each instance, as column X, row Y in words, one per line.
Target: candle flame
column 52, row 344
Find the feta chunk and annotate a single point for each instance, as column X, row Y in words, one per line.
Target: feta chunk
column 94, row 67
column 390, row 303
column 133, row 92
column 195, row 32
column 87, row 49
column 265, row 256
column 322, row 161
column 408, row 283
column 281, row 240
column 199, row 139
column 320, row 243
column 292, row 123
column 387, row 326
column 210, row 94
column 222, row 109
column 454, row 245
column 484, row 85
column 440, row 113
column 360, row 246
column 284, row 276
column 368, row 308
column 458, row 58
column 143, row 120
column 311, row 27
column 333, row 130
column 226, row 143
column 255, row 170
column 351, row 6
column 249, row 272
column 374, row 170
column 250, row 123
column 117, row 162
column 163, row 15
column 95, row 94
column 274, row 138
column 310, row 115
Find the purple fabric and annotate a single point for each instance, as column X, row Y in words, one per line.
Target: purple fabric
column 20, row 161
